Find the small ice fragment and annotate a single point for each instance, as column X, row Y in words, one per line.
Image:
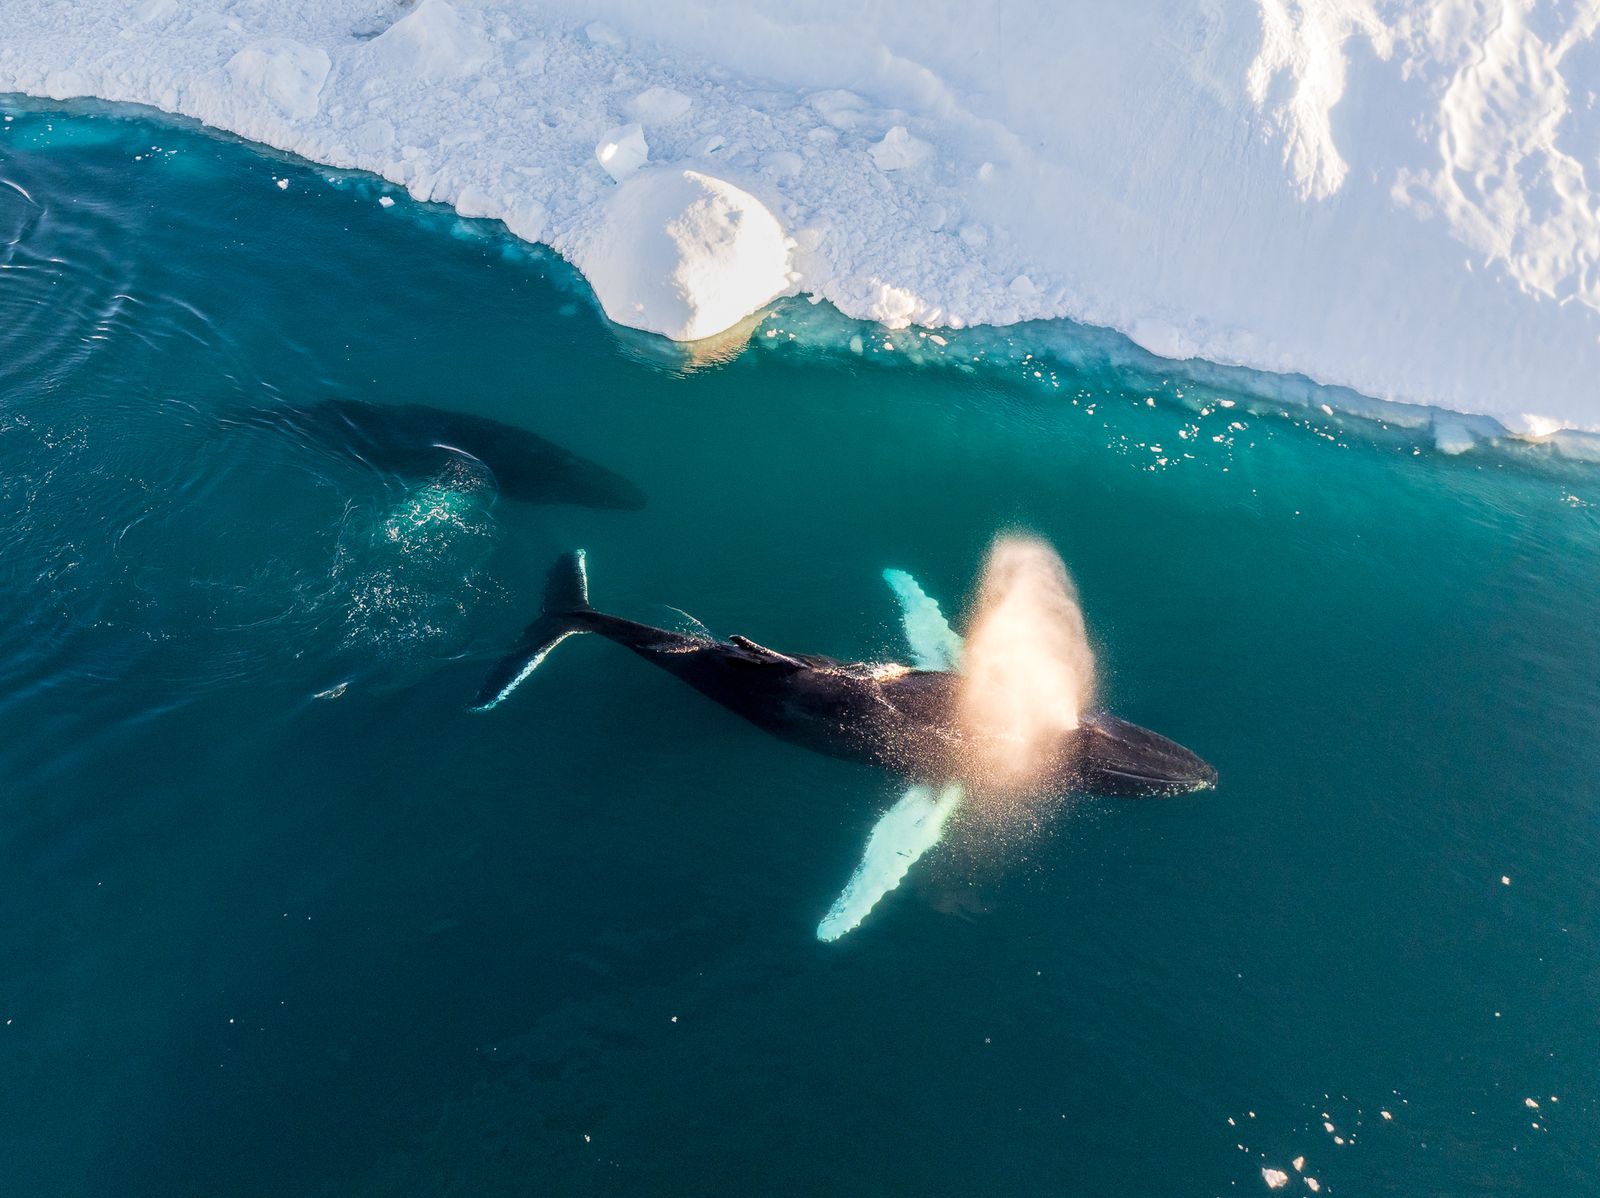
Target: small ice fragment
column 386, row 201
column 586, row 1137
column 1326, row 410
column 622, row 151
column 283, row 185
column 1530, row 1103
column 1276, row 1179
column 1338, row 1139
column 937, row 340
column 1386, row 1114
column 658, row 106
column 1299, row 1164
column 674, row 1019
column 1505, row 879
column 1313, row 1184
column 1327, row 1127
column 899, row 150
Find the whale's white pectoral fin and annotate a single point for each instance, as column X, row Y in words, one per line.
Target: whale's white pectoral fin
column 914, row 824
column 907, row 830
column 934, row 644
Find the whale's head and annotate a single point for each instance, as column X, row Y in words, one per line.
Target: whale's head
column 1117, row 759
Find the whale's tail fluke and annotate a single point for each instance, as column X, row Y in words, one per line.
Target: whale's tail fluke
column 566, row 602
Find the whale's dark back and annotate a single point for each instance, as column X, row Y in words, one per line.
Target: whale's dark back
column 883, row 715
column 415, row 440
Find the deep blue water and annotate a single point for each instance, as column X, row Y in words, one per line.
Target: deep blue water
column 254, row 941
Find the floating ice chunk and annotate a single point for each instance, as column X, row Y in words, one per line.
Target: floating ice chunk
column 659, row 106
column 386, row 201
column 899, row 150
column 431, row 42
column 622, row 151
column 934, row 644
column 1451, row 436
column 683, row 253
column 891, row 306
column 1276, row 1179
column 288, row 73
column 907, row 830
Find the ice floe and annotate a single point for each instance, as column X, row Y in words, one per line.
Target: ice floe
column 1398, row 197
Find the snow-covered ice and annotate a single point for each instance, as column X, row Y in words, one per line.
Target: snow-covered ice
column 1401, row 197
column 682, row 253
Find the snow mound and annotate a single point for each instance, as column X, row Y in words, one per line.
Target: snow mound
column 900, row 151
column 683, row 254
column 286, row 72
column 659, row 106
column 432, row 42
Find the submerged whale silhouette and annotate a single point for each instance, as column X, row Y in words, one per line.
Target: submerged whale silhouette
column 414, row 441
column 891, row 716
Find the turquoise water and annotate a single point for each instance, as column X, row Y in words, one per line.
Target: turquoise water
column 280, row 916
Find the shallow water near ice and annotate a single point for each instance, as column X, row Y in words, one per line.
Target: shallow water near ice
column 281, row 916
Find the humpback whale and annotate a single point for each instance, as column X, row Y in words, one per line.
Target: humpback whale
column 414, row 441
column 896, row 717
